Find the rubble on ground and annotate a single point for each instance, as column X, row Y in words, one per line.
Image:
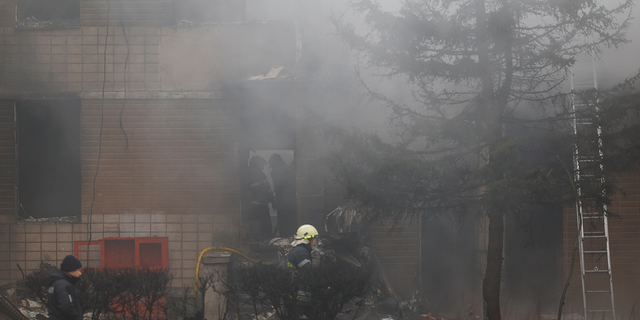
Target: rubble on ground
column 346, row 238
column 67, row 219
column 32, row 23
column 19, row 297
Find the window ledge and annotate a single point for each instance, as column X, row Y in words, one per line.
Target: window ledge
column 32, row 220
column 35, row 24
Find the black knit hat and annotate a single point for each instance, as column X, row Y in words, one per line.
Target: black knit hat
column 70, row 263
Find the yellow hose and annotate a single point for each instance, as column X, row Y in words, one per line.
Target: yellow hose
column 195, row 287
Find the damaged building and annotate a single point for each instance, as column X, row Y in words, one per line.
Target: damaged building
column 126, row 127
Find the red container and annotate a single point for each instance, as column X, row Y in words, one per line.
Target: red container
column 134, row 252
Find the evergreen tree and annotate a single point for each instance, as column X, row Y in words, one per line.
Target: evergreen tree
column 471, row 66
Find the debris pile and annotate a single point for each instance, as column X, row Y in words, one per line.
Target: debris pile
column 19, row 303
column 65, row 219
column 346, row 238
column 31, row 23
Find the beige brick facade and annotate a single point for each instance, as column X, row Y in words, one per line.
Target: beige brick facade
column 161, row 145
column 163, row 163
column 168, row 182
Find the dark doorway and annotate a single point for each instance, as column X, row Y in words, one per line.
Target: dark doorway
column 533, row 247
column 48, row 158
column 281, row 174
column 451, row 263
column 268, row 172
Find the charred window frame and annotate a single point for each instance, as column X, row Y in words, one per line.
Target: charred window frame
column 47, row 14
column 48, row 158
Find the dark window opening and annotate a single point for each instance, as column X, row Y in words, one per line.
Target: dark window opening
column 210, row 11
column 47, row 14
column 48, row 158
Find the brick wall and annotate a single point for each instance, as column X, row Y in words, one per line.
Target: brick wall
column 624, row 233
column 176, row 178
column 399, row 254
column 142, row 52
column 625, row 243
column 145, row 13
column 73, row 60
column 177, row 175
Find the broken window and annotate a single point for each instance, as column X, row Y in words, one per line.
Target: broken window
column 48, row 158
column 47, row 14
column 213, row 11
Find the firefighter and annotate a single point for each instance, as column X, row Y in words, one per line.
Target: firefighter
column 299, row 260
column 63, row 303
column 284, row 185
column 257, row 197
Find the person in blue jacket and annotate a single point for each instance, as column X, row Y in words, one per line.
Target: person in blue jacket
column 63, row 303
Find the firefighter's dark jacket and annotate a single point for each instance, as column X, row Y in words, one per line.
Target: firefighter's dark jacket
column 63, row 303
column 300, row 261
column 300, row 257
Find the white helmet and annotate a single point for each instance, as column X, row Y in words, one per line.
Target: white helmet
column 306, row 231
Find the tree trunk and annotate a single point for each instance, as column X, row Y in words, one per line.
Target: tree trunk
column 491, row 282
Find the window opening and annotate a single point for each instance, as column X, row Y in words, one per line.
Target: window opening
column 48, row 158
column 47, row 14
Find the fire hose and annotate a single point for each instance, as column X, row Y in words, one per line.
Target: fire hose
column 195, row 287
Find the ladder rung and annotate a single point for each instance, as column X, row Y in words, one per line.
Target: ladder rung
column 593, row 217
column 594, row 252
column 598, row 310
column 594, row 237
column 597, row 271
column 588, row 158
column 584, row 175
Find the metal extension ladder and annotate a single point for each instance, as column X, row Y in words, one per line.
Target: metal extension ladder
column 595, row 255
